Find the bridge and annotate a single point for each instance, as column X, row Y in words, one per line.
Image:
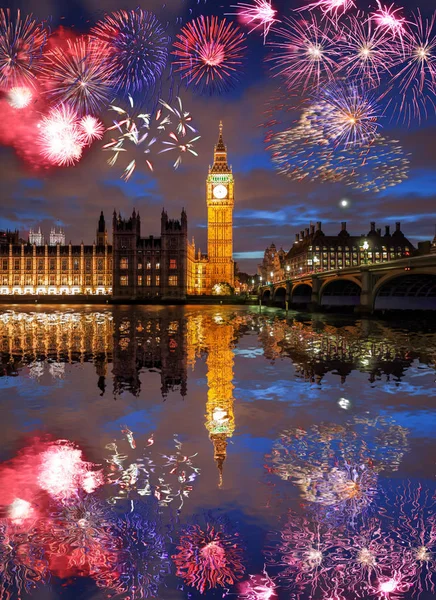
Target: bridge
column 403, row 284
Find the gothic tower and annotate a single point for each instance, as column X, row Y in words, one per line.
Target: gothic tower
column 220, row 201
column 101, row 235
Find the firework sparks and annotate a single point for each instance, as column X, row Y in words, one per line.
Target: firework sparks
column 347, row 115
column 416, row 62
column 366, row 51
column 21, row 45
column 331, row 7
column 20, row 97
column 137, row 48
column 209, row 53
column 63, row 136
column 388, row 19
column 306, row 53
column 209, row 557
column 260, row 14
column 257, row 587
column 181, row 146
column 79, row 75
column 183, row 118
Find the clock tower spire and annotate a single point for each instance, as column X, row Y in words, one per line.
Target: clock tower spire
column 220, row 202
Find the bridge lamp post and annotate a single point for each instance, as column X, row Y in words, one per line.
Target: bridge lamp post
column 365, row 249
column 272, row 276
column 288, row 268
column 316, row 261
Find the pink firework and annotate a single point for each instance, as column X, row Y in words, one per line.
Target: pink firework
column 257, row 587
column 260, row 14
column 387, row 18
column 331, row 7
column 209, row 52
column 20, row 97
column 209, row 557
column 92, row 129
column 63, row 136
column 366, row 50
column 416, row 61
column 306, row 52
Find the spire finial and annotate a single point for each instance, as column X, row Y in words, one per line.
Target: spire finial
column 221, row 127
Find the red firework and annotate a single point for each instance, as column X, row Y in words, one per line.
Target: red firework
column 209, row 53
column 209, row 557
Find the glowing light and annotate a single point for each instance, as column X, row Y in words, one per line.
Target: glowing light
column 260, row 14
column 344, row 203
column 92, row 129
column 208, row 53
column 20, row 97
column 20, row 510
column 388, row 586
column 334, row 7
column 387, row 18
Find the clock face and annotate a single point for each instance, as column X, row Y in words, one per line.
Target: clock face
column 220, row 191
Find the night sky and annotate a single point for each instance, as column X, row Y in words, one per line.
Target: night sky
column 268, row 207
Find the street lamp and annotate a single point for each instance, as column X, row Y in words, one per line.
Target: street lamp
column 365, row 248
column 272, row 276
column 316, row 261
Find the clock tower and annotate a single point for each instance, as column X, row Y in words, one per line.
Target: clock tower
column 220, row 201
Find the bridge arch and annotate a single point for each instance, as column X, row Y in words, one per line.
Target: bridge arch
column 405, row 291
column 266, row 296
column 301, row 293
column 279, row 299
column 340, row 291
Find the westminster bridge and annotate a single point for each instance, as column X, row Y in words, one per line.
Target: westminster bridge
column 403, row 284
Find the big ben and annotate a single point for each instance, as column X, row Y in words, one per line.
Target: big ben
column 220, row 201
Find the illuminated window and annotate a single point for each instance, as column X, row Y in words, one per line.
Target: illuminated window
column 139, row 279
column 76, row 280
column 173, row 263
column 148, row 280
column 88, row 265
column 124, row 263
column 157, row 280
column 139, row 266
column 100, row 264
column 40, row 264
column 17, row 264
column 29, row 280
column 157, row 266
column 16, row 280
column 148, row 266
column 52, row 264
column 100, row 280
column 88, row 280
column 5, row 264
column 172, row 280
column 40, row 280
column 64, row 264
column 64, row 280
column 124, row 280
column 76, row 264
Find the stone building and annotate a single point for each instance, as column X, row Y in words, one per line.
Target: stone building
column 150, row 268
column 313, row 251
column 272, row 266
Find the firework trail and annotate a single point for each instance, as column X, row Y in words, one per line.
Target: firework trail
column 183, row 118
column 79, row 75
column 21, row 44
column 208, row 53
column 305, row 52
column 136, row 46
column 333, row 8
column 180, row 146
column 260, row 14
column 387, row 19
column 209, row 556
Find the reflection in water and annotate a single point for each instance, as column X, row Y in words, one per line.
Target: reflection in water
column 209, row 555
column 119, row 522
column 337, row 465
column 167, row 477
column 383, row 555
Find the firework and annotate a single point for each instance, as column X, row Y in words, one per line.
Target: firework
column 209, row 53
column 63, row 136
column 306, row 52
column 21, row 45
column 180, row 146
column 331, row 7
column 416, row 64
column 209, row 556
column 92, row 129
column 387, row 18
column 79, row 75
column 20, row 97
column 347, row 115
column 260, row 14
column 366, row 50
column 182, row 117
column 257, row 587
column 137, row 47
column 303, row 152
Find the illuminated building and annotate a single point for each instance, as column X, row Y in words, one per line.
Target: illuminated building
column 57, row 237
column 208, row 273
column 273, row 262
column 313, row 251
column 36, row 237
column 150, row 268
column 34, row 269
column 220, row 419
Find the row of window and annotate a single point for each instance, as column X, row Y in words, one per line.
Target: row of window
column 124, row 264
column 42, row 280
column 64, row 264
column 172, row 280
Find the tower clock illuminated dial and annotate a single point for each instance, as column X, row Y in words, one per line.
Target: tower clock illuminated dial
column 220, row 191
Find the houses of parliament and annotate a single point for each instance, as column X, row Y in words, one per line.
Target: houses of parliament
column 132, row 268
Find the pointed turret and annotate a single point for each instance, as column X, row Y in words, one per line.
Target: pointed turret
column 220, row 164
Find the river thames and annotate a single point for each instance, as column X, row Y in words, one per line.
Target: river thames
column 186, row 452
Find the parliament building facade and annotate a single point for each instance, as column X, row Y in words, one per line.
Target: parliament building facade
column 133, row 268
